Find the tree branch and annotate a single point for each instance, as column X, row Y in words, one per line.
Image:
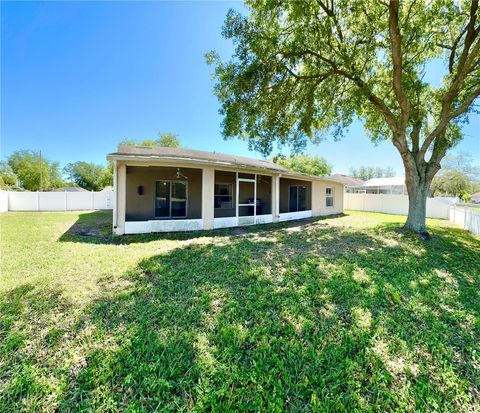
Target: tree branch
column 395, row 40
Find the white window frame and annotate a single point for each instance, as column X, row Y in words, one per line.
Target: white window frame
column 230, row 184
column 332, row 195
column 170, row 197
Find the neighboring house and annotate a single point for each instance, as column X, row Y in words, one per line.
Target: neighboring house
column 175, row 189
column 350, row 182
column 392, row 186
column 70, row 189
column 475, row 198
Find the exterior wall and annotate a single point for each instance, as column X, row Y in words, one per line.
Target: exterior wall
column 284, row 184
column 319, row 206
column 121, row 198
column 208, row 181
column 142, row 207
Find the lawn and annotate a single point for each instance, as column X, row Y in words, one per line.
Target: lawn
column 340, row 314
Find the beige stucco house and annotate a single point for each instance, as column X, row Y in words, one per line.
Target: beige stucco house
column 173, row 189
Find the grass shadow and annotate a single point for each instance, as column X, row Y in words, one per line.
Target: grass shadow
column 320, row 319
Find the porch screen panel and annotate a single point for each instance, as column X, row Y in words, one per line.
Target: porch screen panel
column 162, row 199
column 179, row 199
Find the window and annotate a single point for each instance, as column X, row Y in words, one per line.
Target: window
column 297, row 198
column 329, row 195
column 170, row 199
column 223, row 196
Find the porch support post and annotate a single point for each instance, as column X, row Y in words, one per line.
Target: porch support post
column 318, row 198
column 275, row 198
column 121, row 198
column 208, row 191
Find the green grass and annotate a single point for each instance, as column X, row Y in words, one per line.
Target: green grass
column 340, row 314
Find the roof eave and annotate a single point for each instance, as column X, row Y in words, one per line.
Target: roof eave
column 193, row 161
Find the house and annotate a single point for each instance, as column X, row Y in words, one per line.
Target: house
column 350, row 182
column 70, row 189
column 175, row 189
column 475, row 198
column 392, row 185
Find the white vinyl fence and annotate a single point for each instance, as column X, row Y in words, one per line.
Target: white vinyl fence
column 465, row 217
column 55, row 201
column 392, row 204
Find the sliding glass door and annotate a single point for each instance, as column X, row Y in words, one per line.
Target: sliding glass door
column 171, row 199
column 297, row 198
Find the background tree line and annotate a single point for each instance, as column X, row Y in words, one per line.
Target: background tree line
column 29, row 170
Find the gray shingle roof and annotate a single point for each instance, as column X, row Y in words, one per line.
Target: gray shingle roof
column 212, row 158
column 194, row 155
column 347, row 180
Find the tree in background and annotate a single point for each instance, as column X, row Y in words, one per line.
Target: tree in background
column 88, row 175
column 8, row 178
column 26, row 166
column 312, row 165
column 462, row 162
column 452, row 183
column 369, row 172
column 458, row 177
column 305, row 68
column 169, row 140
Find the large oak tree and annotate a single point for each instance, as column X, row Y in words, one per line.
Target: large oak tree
column 304, row 68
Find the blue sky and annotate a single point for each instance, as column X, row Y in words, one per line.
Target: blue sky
column 78, row 77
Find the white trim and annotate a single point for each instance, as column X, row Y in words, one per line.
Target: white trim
column 229, row 222
column 288, row 216
column 172, row 225
column 225, row 222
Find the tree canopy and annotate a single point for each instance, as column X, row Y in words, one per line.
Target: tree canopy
column 369, row 172
column 452, row 183
column 302, row 69
column 168, row 139
column 26, row 165
column 312, row 165
column 8, row 178
column 88, row 175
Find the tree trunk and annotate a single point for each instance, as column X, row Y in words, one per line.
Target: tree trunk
column 418, row 186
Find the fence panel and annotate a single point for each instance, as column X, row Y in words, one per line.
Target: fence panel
column 55, row 201
column 3, row 201
column 23, row 201
column 466, row 218
column 51, row 201
column 392, row 204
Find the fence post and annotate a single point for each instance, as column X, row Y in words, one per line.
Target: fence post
column 38, row 201
column 465, row 219
column 66, row 204
column 93, row 200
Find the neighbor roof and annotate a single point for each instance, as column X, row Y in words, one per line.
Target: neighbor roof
column 347, row 180
column 201, row 157
column 70, row 189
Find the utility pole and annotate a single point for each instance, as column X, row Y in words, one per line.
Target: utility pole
column 41, row 176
